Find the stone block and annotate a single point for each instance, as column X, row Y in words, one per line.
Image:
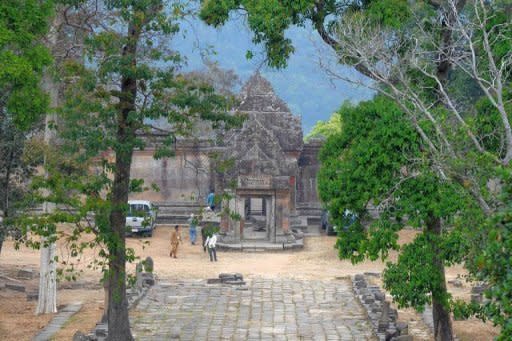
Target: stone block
column 382, row 326
column 403, row 328
column 403, row 338
column 213, row 281
column 79, row 336
column 379, row 296
column 391, row 332
column 15, row 287
column 228, row 279
column 148, row 264
column 479, row 289
column 476, row 298
column 235, row 282
column 373, row 274
column 456, row 283
column 26, row 274
column 360, row 284
column 368, row 299
column 101, row 330
column 376, row 309
column 32, row 296
column 147, row 279
column 359, row 277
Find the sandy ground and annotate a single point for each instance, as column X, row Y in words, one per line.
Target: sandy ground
column 318, row 260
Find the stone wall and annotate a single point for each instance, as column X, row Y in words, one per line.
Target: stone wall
column 185, row 177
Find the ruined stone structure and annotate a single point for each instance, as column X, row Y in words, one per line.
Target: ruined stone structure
column 274, row 172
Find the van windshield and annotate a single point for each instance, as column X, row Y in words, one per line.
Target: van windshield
column 138, row 210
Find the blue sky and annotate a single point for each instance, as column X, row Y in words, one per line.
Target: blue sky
column 303, row 85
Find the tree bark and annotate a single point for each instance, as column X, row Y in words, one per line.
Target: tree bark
column 443, row 330
column 118, row 318
column 47, row 300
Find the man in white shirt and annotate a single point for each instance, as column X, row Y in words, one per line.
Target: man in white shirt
column 210, row 243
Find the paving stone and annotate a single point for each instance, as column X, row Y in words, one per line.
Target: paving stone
column 270, row 309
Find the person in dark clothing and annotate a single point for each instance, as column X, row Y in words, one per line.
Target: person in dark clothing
column 203, row 237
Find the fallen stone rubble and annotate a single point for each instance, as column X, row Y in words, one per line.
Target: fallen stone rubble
column 144, row 280
column 382, row 317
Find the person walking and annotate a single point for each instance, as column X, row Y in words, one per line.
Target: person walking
column 175, row 241
column 193, row 221
column 211, row 243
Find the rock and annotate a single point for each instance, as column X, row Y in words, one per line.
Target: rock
column 15, row 287
column 376, row 309
column 476, row 298
column 403, row 338
column 101, row 330
column 148, row 264
column 32, row 296
column 147, row 279
column 236, row 282
column 26, row 274
column 403, row 328
column 368, row 299
column 79, row 336
column 391, row 333
column 456, row 283
column 479, row 289
column 213, row 281
column 359, row 277
column 373, row 274
column 379, row 296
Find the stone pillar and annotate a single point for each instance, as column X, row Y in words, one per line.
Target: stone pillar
column 272, row 219
column 267, row 202
column 240, row 209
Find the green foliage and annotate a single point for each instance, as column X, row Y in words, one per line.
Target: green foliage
column 414, row 279
column 493, row 266
column 377, row 161
column 128, row 84
column 324, row 129
column 23, row 57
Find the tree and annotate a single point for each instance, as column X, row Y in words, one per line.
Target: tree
column 129, row 82
column 23, row 24
column 413, row 52
column 379, row 159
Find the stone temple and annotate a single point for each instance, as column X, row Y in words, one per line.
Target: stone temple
column 271, row 180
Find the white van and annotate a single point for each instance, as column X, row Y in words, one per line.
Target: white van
column 141, row 217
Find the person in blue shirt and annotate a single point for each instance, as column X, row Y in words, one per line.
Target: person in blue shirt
column 210, row 200
column 193, row 221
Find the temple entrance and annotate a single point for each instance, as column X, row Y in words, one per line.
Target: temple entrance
column 258, row 222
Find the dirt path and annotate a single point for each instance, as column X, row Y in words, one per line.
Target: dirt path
column 318, row 260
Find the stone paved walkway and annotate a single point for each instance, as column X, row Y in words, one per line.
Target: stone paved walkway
column 266, row 309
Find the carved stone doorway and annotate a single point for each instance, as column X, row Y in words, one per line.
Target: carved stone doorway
column 257, row 213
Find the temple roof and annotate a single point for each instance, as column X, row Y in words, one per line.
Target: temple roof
column 257, row 95
column 270, row 126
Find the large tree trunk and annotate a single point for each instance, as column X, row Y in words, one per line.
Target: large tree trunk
column 443, row 330
column 118, row 318
column 47, row 300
